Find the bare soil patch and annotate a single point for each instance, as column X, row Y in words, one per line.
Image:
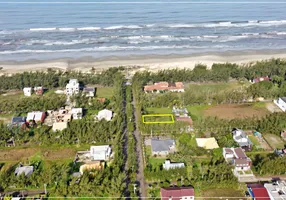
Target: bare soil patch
column 234, row 111
column 17, row 154
column 215, row 194
column 59, row 154
column 274, row 141
column 45, row 154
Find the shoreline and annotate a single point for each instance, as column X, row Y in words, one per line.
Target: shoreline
column 150, row 62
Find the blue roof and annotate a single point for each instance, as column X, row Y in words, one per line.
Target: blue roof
column 17, row 120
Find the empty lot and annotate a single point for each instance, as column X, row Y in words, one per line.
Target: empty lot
column 232, row 111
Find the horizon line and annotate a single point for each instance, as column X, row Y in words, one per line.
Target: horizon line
column 146, row 2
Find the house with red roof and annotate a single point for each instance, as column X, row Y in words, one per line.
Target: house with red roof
column 258, row 192
column 177, row 193
column 164, row 87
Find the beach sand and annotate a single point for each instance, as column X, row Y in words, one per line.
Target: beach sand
column 140, row 63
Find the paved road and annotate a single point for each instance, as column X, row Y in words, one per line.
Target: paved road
column 139, row 152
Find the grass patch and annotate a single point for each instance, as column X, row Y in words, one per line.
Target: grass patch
column 156, row 110
column 253, row 139
column 259, row 105
column 226, row 192
column 156, row 161
column 274, row 141
column 196, row 112
column 158, row 119
column 105, row 92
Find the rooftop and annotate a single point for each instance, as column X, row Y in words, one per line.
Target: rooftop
column 161, row 145
column 176, row 192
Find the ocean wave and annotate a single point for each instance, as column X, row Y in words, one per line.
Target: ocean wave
column 223, row 24
column 140, row 39
column 110, row 48
column 89, row 29
column 123, row 27
column 43, row 29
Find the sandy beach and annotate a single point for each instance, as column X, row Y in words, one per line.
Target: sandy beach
column 139, row 63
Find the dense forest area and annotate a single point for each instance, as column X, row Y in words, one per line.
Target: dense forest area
column 218, row 72
column 56, row 78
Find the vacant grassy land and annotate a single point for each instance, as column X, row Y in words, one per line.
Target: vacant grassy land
column 105, row 92
column 253, row 139
column 217, row 87
column 156, row 110
column 274, row 141
column 45, row 153
column 163, row 119
column 232, row 111
column 197, row 112
column 214, row 194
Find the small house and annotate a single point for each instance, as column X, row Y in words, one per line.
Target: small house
column 260, row 79
column 27, row 91
column 39, row 90
column 165, row 86
column 237, row 157
column 169, row 165
column 281, row 103
column 207, row 143
column 26, row 170
column 257, row 134
column 102, row 152
column 162, row 147
column 72, row 87
column 18, row 122
column 177, row 193
column 276, row 190
column 36, row 117
column 104, row 114
column 280, row 152
column 240, row 137
column 77, row 113
column 89, row 91
column 258, row 192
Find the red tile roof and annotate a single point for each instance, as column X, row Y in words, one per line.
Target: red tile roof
column 260, row 193
column 176, row 192
column 164, row 86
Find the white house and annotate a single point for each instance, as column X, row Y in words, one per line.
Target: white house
column 104, row 114
column 242, row 139
column 168, row 165
column 276, row 190
column 26, row 170
column 36, row 116
column 76, row 113
column 72, row 87
column 89, row 91
column 281, row 103
column 102, row 152
column 27, row 91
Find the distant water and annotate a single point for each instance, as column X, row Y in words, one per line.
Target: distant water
column 49, row 30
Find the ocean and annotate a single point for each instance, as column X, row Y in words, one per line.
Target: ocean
column 56, row 29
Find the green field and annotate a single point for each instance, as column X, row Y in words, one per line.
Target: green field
column 216, row 87
column 274, row 141
column 226, row 192
column 105, row 92
column 156, row 110
column 196, row 112
column 253, row 139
